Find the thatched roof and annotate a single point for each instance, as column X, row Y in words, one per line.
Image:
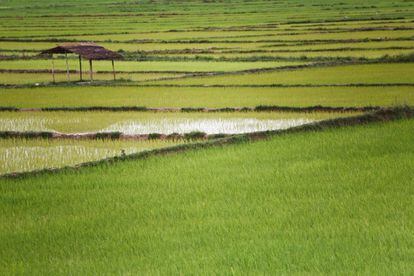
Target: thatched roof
column 86, row 50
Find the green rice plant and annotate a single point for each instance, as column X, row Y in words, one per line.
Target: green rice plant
column 112, row 124
column 61, row 77
column 342, row 45
column 331, row 199
column 349, row 74
column 337, row 201
column 212, row 97
column 143, row 66
column 362, row 55
column 17, row 154
column 353, row 55
column 398, row 58
column 342, row 35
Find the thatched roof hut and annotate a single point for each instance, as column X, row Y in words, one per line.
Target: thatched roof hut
column 85, row 50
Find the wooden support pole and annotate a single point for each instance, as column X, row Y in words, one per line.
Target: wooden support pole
column 80, row 68
column 113, row 69
column 53, row 69
column 67, row 67
column 90, row 70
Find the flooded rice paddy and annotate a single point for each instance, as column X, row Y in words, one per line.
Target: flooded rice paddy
column 157, row 122
column 209, row 126
column 30, row 158
column 19, row 155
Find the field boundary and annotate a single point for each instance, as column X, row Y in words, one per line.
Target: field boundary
column 382, row 115
column 207, row 40
column 259, row 108
column 127, row 83
column 115, row 135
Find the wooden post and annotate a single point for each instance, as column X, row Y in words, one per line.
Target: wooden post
column 90, row 69
column 80, row 68
column 53, row 69
column 67, row 67
column 113, row 69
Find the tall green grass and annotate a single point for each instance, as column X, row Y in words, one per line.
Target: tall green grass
column 331, row 202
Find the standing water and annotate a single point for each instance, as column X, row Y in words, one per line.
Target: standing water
column 209, row 126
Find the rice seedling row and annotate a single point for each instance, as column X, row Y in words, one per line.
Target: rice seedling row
column 17, row 155
column 372, row 73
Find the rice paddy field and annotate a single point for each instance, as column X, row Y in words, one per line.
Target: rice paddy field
column 200, row 96
column 152, row 122
column 235, row 138
column 18, row 155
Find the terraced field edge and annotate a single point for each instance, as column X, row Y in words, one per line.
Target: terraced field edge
column 259, row 108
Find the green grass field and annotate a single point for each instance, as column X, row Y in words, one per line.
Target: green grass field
column 318, row 202
column 215, row 97
column 351, row 74
column 160, row 66
column 337, row 201
column 33, row 78
column 303, row 55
